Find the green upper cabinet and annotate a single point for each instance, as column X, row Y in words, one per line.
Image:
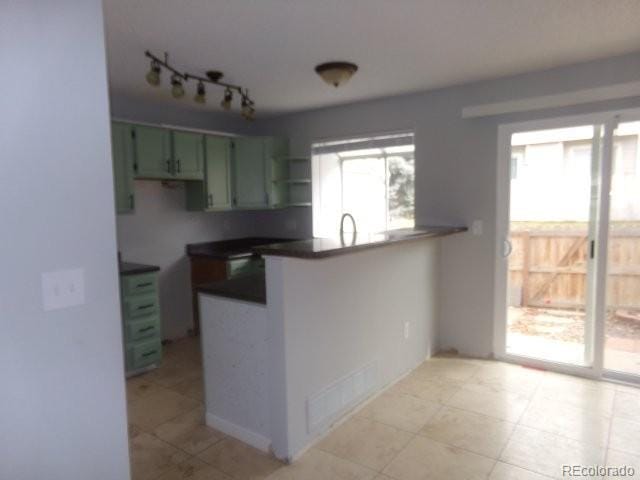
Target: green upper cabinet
column 122, row 151
column 260, row 170
column 277, row 171
column 188, row 156
column 168, row 155
column 249, row 175
column 153, row 152
column 215, row 192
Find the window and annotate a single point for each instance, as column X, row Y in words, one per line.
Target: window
column 517, row 160
column 370, row 178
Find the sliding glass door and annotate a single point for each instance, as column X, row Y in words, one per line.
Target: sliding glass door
column 622, row 314
column 551, row 223
column 568, row 283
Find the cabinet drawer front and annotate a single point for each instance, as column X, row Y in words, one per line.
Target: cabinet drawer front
column 140, row 306
column 141, row 329
column 138, row 284
column 244, row 266
column 143, row 354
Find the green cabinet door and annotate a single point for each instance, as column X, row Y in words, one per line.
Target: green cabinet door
column 277, row 171
column 249, row 173
column 122, row 151
column 188, row 156
column 214, row 193
column 153, row 152
column 218, row 173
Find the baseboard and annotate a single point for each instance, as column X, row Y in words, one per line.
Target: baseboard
column 254, row 439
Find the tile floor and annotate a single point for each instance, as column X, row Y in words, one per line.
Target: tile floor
column 450, row 419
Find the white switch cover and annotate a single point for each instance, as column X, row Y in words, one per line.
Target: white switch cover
column 406, row 330
column 476, row 227
column 62, row 289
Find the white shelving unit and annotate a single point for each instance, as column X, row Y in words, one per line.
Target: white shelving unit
column 298, row 181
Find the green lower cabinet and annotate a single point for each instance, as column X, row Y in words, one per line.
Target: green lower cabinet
column 141, row 355
column 141, row 321
column 214, row 193
column 123, row 160
column 244, row 266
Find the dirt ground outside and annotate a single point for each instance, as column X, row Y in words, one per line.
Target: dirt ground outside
column 622, row 326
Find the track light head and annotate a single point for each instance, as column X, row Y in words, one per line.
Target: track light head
column 153, row 76
column 177, row 90
column 201, row 94
column 226, row 102
column 247, row 110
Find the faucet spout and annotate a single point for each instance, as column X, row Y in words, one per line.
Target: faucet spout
column 353, row 222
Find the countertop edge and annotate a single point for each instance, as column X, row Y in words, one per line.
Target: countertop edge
column 129, row 268
column 307, row 255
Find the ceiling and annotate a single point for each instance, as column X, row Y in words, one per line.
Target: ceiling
column 401, row 46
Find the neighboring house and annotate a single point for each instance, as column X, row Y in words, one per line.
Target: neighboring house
column 551, row 171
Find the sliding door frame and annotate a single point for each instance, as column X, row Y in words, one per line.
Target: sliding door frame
column 597, row 296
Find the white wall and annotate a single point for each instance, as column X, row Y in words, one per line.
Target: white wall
column 62, row 406
column 329, row 318
column 456, row 171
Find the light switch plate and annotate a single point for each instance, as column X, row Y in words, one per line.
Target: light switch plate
column 62, row 289
column 476, row 227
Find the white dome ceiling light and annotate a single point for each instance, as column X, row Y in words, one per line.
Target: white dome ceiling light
column 336, row 73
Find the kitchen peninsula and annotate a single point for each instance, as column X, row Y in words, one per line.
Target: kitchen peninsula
column 333, row 322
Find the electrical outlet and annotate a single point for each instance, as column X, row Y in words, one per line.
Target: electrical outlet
column 406, row 330
column 62, row 289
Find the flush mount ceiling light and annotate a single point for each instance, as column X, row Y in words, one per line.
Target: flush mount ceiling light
column 180, row 79
column 336, row 73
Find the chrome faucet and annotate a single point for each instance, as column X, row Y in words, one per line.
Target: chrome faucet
column 353, row 222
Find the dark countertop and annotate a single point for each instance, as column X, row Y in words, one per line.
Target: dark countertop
column 329, row 247
column 128, row 268
column 231, row 249
column 250, row 288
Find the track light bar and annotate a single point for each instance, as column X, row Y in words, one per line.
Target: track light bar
column 213, row 77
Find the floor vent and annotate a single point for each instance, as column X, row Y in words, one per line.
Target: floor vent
column 326, row 405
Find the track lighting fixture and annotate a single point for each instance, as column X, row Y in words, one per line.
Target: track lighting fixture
column 153, row 77
column 247, row 109
column 200, row 96
column 226, row 102
column 179, row 79
column 177, row 90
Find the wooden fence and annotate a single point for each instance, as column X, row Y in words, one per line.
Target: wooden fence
column 548, row 269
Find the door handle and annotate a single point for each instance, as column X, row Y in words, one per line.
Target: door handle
column 210, row 197
column 507, row 248
column 178, row 164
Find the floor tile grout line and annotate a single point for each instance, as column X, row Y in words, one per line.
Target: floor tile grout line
column 513, row 431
